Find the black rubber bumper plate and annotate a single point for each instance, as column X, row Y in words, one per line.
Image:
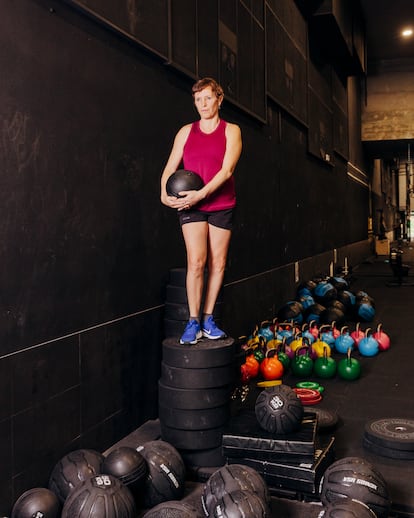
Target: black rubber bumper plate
column 383, row 451
column 394, row 433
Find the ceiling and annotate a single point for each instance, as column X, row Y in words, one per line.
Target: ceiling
column 384, row 21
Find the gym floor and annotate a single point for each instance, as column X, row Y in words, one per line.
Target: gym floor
column 384, row 390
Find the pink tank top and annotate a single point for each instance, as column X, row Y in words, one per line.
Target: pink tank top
column 203, row 153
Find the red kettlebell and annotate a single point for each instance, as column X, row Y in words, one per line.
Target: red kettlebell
column 357, row 335
column 382, row 338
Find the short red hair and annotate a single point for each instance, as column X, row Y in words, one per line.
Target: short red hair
column 206, row 82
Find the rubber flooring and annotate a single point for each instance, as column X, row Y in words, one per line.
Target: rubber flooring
column 386, row 387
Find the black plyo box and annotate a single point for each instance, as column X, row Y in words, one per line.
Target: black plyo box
column 302, row 477
column 244, row 437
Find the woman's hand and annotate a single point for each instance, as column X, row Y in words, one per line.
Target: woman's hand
column 186, row 201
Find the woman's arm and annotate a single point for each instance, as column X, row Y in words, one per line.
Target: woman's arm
column 173, row 162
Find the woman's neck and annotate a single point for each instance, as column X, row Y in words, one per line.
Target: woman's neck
column 209, row 125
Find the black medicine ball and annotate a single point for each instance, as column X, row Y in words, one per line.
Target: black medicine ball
column 279, row 410
column 358, row 479
column 103, row 496
column 72, row 469
column 240, row 504
column 128, row 465
column 38, row 502
column 165, row 479
column 346, row 508
column 183, row 180
column 229, row 479
column 174, row 509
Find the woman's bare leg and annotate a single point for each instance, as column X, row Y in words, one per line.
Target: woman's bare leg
column 195, row 237
column 218, row 246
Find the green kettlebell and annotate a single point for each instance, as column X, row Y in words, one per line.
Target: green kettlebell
column 349, row 368
column 325, row 367
column 302, row 363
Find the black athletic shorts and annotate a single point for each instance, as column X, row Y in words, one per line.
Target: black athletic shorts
column 217, row 218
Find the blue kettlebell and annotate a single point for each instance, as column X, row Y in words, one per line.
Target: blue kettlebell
column 368, row 346
column 344, row 341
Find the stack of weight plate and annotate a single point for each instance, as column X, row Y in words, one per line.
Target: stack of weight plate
column 194, row 394
column 176, row 307
column 390, row 437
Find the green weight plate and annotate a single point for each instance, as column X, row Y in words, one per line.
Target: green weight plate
column 313, row 385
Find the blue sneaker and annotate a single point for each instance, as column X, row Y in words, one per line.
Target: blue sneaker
column 192, row 333
column 211, row 331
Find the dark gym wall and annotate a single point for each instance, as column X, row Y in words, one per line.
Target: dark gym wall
column 87, row 120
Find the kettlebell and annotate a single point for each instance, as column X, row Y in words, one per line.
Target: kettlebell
column 368, row 346
column 344, row 341
column 325, row 367
column 302, row 363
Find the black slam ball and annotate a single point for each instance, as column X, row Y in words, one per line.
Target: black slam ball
column 183, row 180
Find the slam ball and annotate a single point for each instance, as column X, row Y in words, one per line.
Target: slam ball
column 72, row 469
column 183, row 180
column 128, row 466
column 102, row 496
column 166, row 473
column 279, row 410
column 174, row 509
column 231, row 478
column 240, row 504
column 357, row 479
column 346, row 508
column 38, row 502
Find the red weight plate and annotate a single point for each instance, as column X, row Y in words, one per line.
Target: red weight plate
column 308, row 402
column 304, row 393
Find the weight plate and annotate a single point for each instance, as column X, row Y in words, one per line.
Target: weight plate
column 313, row 385
column 174, row 328
column 309, row 402
column 307, row 394
column 203, row 458
column 176, row 294
column 197, row 378
column 395, row 433
column 320, row 389
column 383, row 451
column 203, row 419
column 192, row 439
column 269, row 383
column 176, row 312
column 190, row 399
column 177, row 276
column 327, row 419
column 173, row 311
column 203, row 355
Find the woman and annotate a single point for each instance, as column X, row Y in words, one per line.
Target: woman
column 210, row 147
